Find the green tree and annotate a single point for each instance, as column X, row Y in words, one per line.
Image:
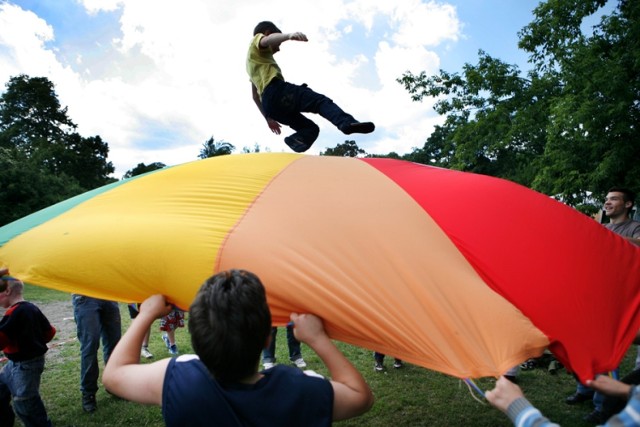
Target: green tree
column 142, row 168
column 32, row 121
column 212, row 148
column 25, row 188
column 568, row 127
column 346, row 149
column 593, row 140
column 495, row 119
column 41, row 150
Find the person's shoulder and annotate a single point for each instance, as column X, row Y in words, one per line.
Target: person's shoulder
column 255, row 41
column 186, row 366
column 22, row 305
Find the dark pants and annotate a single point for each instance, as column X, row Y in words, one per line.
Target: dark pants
column 379, row 357
column 21, row 381
column 612, row 405
column 96, row 320
column 269, row 353
column 284, row 102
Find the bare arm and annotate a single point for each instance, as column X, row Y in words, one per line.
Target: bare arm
column 123, row 374
column 352, row 395
column 633, row 240
column 609, row 386
column 4, row 271
column 273, row 125
column 274, row 40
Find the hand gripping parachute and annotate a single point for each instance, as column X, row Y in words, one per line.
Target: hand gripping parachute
column 461, row 273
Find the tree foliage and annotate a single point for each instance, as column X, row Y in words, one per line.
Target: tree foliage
column 346, row 149
column 568, row 128
column 44, row 160
column 142, row 168
column 212, row 148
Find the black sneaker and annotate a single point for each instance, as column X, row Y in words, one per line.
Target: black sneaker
column 296, row 144
column 576, row 398
column 89, row 402
column 358, row 127
column 398, row 364
column 378, row 367
column 596, row 417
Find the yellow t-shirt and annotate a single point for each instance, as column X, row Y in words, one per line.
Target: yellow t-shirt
column 261, row 66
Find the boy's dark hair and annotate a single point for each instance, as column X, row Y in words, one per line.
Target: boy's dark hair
column 627, row 195
column 229, row 323
column 264, row 26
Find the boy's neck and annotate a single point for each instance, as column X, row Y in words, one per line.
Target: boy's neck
column 251, row 379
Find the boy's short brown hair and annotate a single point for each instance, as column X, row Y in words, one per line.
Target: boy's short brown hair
column 265, row 26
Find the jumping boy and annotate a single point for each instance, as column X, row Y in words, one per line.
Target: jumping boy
column 24, row 334
column 283, row 102
column 230, row 324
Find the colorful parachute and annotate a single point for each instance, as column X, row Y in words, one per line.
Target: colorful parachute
column 462, row 273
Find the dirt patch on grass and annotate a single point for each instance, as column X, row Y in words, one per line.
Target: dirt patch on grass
column 60, row 315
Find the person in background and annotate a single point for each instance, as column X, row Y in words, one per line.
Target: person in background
column 24, row 334
column 617, row 207
column 295, row 352
column 379, row 362
column 134, row 309
column 96, row 320
column 169, row 324
column 230, row 324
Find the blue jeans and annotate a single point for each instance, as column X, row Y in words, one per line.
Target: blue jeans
column 95, row 319
column 598, row 398
column 284, row 102
column 21, row 380
column 269, row 353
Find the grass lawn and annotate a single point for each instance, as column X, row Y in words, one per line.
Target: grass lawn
column 410, row 396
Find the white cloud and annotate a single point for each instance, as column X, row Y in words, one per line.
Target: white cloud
column 23, row 36
column 175, row 70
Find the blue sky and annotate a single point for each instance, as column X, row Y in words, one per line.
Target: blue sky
column 157, row 79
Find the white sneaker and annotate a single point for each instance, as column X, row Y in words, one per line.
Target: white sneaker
column 268, row 365
column 146, row 353
column 300, row 363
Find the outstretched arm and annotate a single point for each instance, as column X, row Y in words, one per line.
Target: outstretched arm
column 274, row 40
column 352, row 395
column 609, row 386
column 123, row 374
column 273, row 125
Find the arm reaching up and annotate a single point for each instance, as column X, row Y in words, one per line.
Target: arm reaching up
column 123, row 374
column 352, row 395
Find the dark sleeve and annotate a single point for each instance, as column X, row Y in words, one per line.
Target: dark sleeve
column 50, row 333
